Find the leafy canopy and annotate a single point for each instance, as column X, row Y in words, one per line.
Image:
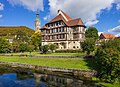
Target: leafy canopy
column 88, row 45
column 5, row 46
column 108, row 61
column 92, row 32
column 36, row 40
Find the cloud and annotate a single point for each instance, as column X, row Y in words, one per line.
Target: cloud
column 118, row 21
column 117, row 35
column 92, row 22
column 46, row 18
column 1, row 16
column 1, row 6
column 118, row 4
column 116, row 29
column 88, row 10
column 99, row 33
column 32, row 5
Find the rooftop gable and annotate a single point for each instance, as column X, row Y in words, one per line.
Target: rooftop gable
column 76, row 22
column 67, row 19
column 108, row 36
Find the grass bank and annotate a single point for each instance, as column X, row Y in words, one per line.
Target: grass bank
column 52, row 54
column 78, row 63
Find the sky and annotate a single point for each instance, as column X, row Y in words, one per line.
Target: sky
column 102, row 14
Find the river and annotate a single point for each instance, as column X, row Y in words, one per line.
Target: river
column 19, row 77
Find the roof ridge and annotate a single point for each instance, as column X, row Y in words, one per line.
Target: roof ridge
column 64, row 14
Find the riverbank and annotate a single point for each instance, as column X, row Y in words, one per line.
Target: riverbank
column 56, row 63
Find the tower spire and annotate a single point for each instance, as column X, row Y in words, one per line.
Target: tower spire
column 37, row 21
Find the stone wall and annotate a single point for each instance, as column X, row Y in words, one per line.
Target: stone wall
column 76, row 72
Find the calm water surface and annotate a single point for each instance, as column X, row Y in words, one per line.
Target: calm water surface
column 11, row 77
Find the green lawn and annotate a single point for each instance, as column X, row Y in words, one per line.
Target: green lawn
column 52, row 54
column 78, row 63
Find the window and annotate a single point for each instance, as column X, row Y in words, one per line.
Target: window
column 57, row 24
column 59, row 29
column 42, row 30
column 57, row 37
column 60, row 36
column 52, row 30
column 62, row 29
column 73, row 46
column 53, row 37
column 48, row 25
column 51, row 25
column 56, row 29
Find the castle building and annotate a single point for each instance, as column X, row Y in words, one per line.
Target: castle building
column 65, row 32
column 37, row 22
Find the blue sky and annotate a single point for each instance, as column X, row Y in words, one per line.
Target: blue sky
column 103, row 14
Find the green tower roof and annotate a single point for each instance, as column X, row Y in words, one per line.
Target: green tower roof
column 37, row 16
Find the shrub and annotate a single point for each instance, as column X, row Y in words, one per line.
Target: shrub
column 88, row 45
column 108, row 62
column 52, row 47
column 45, row 48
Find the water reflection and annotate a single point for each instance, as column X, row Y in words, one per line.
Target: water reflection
column 13, row 78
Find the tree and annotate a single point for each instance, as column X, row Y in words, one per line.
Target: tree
column 21, row 36
column 88, row 45
column 92, row 32
column 36, row 40
column 23, row 47
column 45, row 48
column 31, row 48
column 5, row 46
column 52, row 47
column 108, row 61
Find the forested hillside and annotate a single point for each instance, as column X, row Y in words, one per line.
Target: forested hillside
column 12, row 31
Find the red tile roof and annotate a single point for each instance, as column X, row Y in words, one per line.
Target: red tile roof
column 57, row 18
column 67, row 20
column 108, row 36
column 75, row 22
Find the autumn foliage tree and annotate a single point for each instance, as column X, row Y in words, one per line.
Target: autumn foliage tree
column 36, row 40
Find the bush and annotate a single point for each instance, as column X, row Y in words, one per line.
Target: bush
column 108, row 61
column 88, row 45
column 52, row 47
column 45, row 48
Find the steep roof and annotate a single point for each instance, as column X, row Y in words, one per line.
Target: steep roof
column 108, row 36
column 57, row 18
column 75, row 22
column 67, row 19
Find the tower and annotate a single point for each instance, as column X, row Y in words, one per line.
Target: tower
column 37, row 21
